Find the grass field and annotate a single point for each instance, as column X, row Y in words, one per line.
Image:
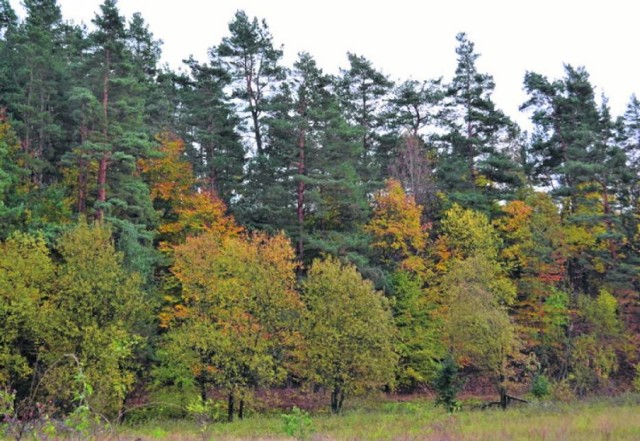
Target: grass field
column 615, row 419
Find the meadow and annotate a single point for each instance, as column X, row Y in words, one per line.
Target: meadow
column 592, row 420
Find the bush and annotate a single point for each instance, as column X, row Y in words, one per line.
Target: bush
column 540, row 386
column 297, row 424
column 447, row 385
column 636, row 380
column 562, row 392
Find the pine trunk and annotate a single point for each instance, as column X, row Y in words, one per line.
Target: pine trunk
column 104, row 160
column 300, row 194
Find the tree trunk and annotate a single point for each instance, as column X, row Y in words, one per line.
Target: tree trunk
column 105, row 91
column 82, row 185
column 102, row 184
column 300, row 194
column 337, row 398
column 39, row 176
column 504, row 399
column 470, row 149
column 256, row 131
column 203, row 389
column 254, row 103
column 241, row 409
column 104, row 160
column 230, row 407
column 82, row 174
column 607, row 219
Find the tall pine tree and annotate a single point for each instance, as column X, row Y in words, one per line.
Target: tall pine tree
column 475, row 167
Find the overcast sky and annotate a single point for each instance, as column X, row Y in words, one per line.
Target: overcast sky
column 416, row 38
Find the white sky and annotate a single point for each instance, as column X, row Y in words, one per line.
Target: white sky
column 416, row 38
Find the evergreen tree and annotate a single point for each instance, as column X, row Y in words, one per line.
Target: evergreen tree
column 249, row 56
column 118, row 140
column 145, row 52
column 475, row 167
column 35, row 88
column 209, row 124
column 363, row 91
column 251, row 59
column 574, row 151
column 414, row 106
column 566, row 120
column 8, row 18
column 312, row 145
column 628, row 127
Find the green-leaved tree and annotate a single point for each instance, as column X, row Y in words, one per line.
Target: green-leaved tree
column 349, row 332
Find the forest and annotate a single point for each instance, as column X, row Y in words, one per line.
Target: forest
column 235, row 226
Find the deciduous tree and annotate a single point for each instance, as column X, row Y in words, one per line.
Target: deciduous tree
column 477, row 328
column 238, row 326
column 98, row 313
column 349, row 349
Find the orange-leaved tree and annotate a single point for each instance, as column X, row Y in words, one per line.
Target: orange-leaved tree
column 187, row 208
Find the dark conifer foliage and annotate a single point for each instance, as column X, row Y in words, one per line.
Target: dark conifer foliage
column 477, row 164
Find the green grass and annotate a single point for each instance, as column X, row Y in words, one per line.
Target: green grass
column 603, row 419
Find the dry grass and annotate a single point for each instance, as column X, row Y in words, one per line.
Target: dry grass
column 602, row 420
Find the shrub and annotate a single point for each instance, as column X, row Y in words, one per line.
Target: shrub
column 540, row 386
column 297, row 423
column 447, row 385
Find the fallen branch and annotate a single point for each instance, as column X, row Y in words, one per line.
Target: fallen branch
column 509, row 399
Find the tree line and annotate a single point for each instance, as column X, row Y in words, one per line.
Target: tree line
column 241, row 224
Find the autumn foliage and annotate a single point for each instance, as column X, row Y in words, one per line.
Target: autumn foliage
column 147, row 218
column 187, row 207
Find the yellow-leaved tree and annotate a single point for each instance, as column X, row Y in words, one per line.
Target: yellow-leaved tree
column 399, row 238
column 239, row 324
column 98, row 313
column 186, row 207
column 26, row 278
column 400, row 242
column 476, row 295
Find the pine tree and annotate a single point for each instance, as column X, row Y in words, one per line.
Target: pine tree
column 414, row 105
column 251, row 59
column 8, row 18
column 209, row 124
column 574, row 151
column 363, row 91
column 309, row 142
column 34, row 71
column 145, row 52
column 116, row 139
column 475, row 167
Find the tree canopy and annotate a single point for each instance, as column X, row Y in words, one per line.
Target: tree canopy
column 240, row 226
